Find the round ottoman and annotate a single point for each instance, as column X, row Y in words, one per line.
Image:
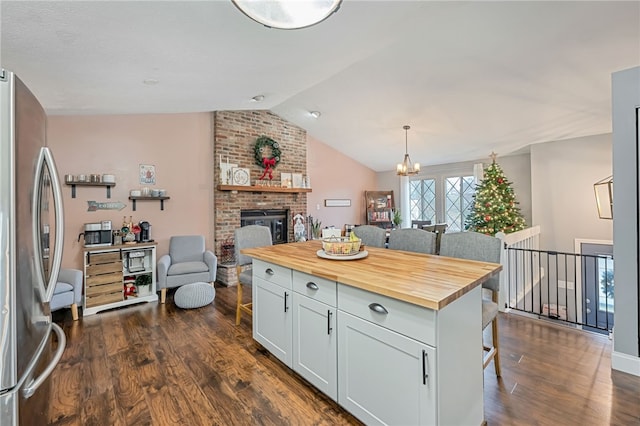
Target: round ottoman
column 195, row 295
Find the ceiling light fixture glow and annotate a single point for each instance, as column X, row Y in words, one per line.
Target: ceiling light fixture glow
column 315, row 114
column 406, row 168
column 288, row 14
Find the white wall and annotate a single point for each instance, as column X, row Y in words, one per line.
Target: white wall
column 626, row 98
column 562, row 196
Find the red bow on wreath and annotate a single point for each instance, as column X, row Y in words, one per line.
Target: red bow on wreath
column 268, row 163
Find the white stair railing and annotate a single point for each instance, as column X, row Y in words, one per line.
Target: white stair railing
column 520, row 271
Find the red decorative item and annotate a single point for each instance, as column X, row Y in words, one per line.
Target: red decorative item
column 268, row 164
column 487, row 218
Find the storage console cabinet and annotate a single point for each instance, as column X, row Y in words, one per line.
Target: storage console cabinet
column 384, row 360
column 110, row 272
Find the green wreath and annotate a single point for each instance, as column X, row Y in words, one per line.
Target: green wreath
column 258, row 151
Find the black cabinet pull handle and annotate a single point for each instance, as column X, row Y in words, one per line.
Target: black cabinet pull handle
column 312, row 285
column 269, row 271
column 376, row 307
column 425, row 373
column 329, row 329
column 286, row 295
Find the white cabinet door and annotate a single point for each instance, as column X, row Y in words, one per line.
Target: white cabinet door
column 314, row 343
column 272, row 318
column 385, row 377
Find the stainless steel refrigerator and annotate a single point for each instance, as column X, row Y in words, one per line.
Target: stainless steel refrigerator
column 31, row 240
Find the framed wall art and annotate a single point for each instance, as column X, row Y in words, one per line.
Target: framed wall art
column 147, row 174
column 337, row 202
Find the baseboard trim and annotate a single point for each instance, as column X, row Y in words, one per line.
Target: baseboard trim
column 625, row 363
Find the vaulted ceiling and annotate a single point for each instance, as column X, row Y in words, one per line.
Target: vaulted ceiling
column 468, row 77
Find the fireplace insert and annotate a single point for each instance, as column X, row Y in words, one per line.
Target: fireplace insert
column 276, row 220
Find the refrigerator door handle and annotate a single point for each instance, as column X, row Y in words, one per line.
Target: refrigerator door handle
column 46, row 158
column 33, row 386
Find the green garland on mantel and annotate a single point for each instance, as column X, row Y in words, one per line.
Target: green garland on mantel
column 258, row 151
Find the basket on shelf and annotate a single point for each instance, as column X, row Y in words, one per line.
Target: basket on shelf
column 341, row 246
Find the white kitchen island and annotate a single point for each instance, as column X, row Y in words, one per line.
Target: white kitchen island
column 395, row 338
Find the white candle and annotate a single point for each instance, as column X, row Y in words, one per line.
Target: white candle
column 221, row 159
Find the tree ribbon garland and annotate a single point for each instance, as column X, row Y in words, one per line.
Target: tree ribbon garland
column 268, row 163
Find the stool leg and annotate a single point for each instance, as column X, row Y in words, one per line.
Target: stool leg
column 238, row 311
column 494, row 335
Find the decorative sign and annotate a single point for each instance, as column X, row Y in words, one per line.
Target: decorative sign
column 337, row 203
column 110, row 205
column 148, row 174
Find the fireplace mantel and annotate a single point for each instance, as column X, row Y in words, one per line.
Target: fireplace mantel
column 254, row 188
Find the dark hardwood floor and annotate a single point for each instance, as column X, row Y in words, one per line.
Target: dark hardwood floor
column 153, row 364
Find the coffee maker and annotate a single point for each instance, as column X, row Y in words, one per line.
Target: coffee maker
column 145, row 232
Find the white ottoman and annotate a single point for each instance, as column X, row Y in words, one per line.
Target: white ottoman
column 195, row 295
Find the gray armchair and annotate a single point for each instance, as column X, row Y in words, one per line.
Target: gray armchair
column 476, row 246
column 371, row 235
column 411, row 239
column 188, row 262
column 68, row 291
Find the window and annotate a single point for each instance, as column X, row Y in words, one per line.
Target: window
column 458, row 197
column 605, row 277
column 422, row 199
column 428, row 202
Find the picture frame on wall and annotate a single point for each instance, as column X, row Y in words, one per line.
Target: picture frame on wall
column 296, row 180
column 240, row 176
column 341, row 202
column 285, row 180
column 147, row 174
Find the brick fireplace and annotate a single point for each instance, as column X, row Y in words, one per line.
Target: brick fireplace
column 235, row 134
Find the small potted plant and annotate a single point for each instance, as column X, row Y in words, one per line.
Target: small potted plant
column 143, row 284
column 397, row 218
column 316, row 228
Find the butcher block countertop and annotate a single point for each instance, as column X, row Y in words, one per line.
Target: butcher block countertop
column 430, row 281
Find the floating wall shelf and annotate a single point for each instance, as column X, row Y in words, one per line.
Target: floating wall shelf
column 161, row 199
column 74, row 184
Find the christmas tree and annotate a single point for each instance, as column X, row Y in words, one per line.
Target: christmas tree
column 494, row 208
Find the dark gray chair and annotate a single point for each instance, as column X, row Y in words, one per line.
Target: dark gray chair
column 438, row 229
column 415, row 240
column 188, row 262
column 68, row 291
column 476, row 246
column 247, row 237
column 370, row 235
column 419, row 223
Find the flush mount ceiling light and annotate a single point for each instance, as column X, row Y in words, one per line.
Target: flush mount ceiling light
column 288, row 14
column 315, row 114
column 406, row 168
column 258, row 98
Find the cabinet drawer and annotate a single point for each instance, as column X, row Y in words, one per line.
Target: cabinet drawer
column 272, row 273
column 410, row 320
column 320, row 289
column 103, row 299
column 104, row 279
column 95, row 258
column 109, row 288
column 104, row 268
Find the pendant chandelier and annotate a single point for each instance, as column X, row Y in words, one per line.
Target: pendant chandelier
column 406, row 168
column 288, row 14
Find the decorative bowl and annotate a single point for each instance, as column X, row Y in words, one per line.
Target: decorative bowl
column 340, row 246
